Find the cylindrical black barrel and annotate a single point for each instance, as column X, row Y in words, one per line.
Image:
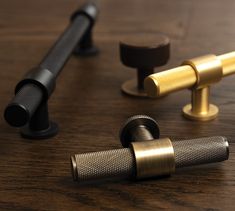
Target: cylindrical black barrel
column 60, row 52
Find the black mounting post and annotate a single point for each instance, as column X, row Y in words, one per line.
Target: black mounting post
column 29, row 109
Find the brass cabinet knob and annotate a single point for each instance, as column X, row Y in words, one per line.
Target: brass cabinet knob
column 143, row 53
column 139, row 128
column 197, row 74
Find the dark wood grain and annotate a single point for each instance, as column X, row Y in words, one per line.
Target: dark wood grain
column 89, row 107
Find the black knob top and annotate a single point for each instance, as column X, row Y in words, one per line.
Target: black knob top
column 144, row 51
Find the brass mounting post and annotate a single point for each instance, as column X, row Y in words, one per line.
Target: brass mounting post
column 197, row 74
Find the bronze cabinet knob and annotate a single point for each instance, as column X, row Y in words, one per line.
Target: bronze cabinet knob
column 143, row 53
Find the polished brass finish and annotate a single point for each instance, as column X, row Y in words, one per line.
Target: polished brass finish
column 196, row 74
column 154, row 158
column 208, row 69
column 228, row 64
column 165, row 82
column 200, row 109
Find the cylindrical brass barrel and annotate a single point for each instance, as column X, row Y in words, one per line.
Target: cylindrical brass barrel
column 228, row 63
column 164, row 82
column 208, row 69
column 154, row 158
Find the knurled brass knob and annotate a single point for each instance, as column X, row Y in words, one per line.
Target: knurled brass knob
column 197, row 74
column 143, row 53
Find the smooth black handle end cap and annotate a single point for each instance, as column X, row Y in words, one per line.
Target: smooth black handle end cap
column 16, row 115
column 90, row 10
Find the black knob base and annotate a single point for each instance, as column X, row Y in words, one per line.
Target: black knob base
column 86, row 46
column 86, row 52
column 135, row 87
column 39, row 126
column 130, row 88
column 52, row 130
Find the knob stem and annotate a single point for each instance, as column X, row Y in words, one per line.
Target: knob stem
column 141, row 133
column 40, row 126
column 142, row 73
column 200, row 100
column 200, row 108
column 139, row 128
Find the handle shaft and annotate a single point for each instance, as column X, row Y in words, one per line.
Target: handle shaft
column 61, row 51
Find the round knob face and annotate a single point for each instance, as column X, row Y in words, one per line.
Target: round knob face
column 145, row 51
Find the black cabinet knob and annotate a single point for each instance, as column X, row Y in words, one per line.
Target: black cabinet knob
column 143, row 53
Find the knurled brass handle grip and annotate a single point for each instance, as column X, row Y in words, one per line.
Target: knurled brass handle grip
column 149, row 158
column 196, row 74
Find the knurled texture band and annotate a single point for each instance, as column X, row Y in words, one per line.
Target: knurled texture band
column 105, row 164
column 200, row 151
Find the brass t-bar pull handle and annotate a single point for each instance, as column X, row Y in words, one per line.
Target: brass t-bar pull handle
column 196, row 74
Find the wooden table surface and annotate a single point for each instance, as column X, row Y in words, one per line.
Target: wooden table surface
column 89, row 107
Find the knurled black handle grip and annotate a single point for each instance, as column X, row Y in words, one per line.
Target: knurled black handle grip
column 20, row 110
column 39, row 83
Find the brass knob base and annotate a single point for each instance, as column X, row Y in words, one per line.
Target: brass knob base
column 130, row 88
column 211, row 114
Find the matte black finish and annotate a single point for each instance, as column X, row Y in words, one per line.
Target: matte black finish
column 128, row 130
column 39, row 126
column 28, row 109
column 22, row 107
column 86, row 46
column 61, row 51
